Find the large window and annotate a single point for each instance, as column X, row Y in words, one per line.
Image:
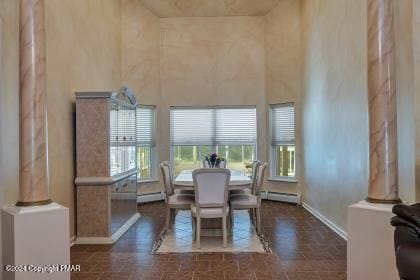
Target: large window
column 283, row 149
column 146, row 158
column 228, row 131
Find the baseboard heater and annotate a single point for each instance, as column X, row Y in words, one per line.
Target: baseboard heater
column 150, row 197
column 283, row 197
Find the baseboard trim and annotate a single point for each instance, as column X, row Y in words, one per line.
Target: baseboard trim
column 113, row 238
column 325, row 221
column 72, row 240
column 150, row 197
column 283, row 197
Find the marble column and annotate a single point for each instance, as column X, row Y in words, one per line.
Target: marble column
column 383, row 157
column 32, row 106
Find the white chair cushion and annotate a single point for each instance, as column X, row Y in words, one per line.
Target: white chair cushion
column 209, row 213
column 179, row 199
column 244, row 201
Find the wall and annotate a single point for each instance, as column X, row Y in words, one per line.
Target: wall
column 9, row 105
column 405, row 98
column 212, row 61
column 335, row 120
column 140, row 62
column 283, row 63
column 416, row 59
column 83, row 53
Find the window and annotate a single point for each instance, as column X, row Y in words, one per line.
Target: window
column 283, row 149
column 227, row 131
column 146, row 158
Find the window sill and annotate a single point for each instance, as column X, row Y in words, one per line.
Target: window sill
column 147, row 181
column 283, row 179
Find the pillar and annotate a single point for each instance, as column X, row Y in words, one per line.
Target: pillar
column 32, row 106
column 383, row 157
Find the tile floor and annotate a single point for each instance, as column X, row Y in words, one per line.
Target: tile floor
column 303, row 248
column 180, row 238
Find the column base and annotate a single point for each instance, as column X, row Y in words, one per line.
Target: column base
column 35, row 237
column 33, row 203
column 383, row 201
column 370, row 242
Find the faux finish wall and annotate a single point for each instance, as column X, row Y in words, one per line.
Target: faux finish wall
column 335, row 120
column 140, row 64
column 283, row 76
column 212, row 61
column 9, row 104
column 83, row 53
column 416, row 51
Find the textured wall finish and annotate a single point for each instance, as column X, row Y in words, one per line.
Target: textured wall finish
column 383, row 178
column 416, row 103
column 212, row 61
column 335, row 105
column 140, row 64
column 33, row 106
column 205, row 8
column 335, row 123
column 283, row 76
column 9, row 104
column 83, row 53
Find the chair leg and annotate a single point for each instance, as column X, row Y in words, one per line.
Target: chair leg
column 198, row 232
column 173, row 217
column 258, row 220
column 224, row 231
column 168, row 218
column 194, row 226
column 251, row 216
column 232, row 217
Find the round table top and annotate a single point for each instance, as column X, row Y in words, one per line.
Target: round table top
column 185, row 181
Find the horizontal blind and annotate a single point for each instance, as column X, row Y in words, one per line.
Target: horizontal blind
column 192, row 127
column 283, row 124
column 213, row 126
column 235, row 126
column 145, row 125
column 126, row 125
column 113, row 119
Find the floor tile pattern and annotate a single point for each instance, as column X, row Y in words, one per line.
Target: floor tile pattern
column 303, row 248
column 179, row 239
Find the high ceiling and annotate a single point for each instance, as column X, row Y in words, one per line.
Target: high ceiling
column 208, row 8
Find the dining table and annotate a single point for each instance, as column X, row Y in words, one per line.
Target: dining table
column 238, row 181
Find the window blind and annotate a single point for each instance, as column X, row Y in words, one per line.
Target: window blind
column 145, row 125
column 235, row 126
column 213, row 126
column 283, row 124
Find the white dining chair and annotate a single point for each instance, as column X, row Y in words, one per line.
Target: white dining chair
column 172, row 177
column 255, row 165
column 174, row 200
column 251, row 201
column 211, row 199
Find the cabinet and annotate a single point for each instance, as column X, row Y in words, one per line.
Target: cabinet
column 106, row 171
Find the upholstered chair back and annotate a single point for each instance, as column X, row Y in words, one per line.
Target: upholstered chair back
column 255, row 165
column 211, row 187
column 260, row 178
column 166, row 169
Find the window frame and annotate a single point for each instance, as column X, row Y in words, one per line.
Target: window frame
column 152, row 145
column 273, row 147
column 214, row 146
